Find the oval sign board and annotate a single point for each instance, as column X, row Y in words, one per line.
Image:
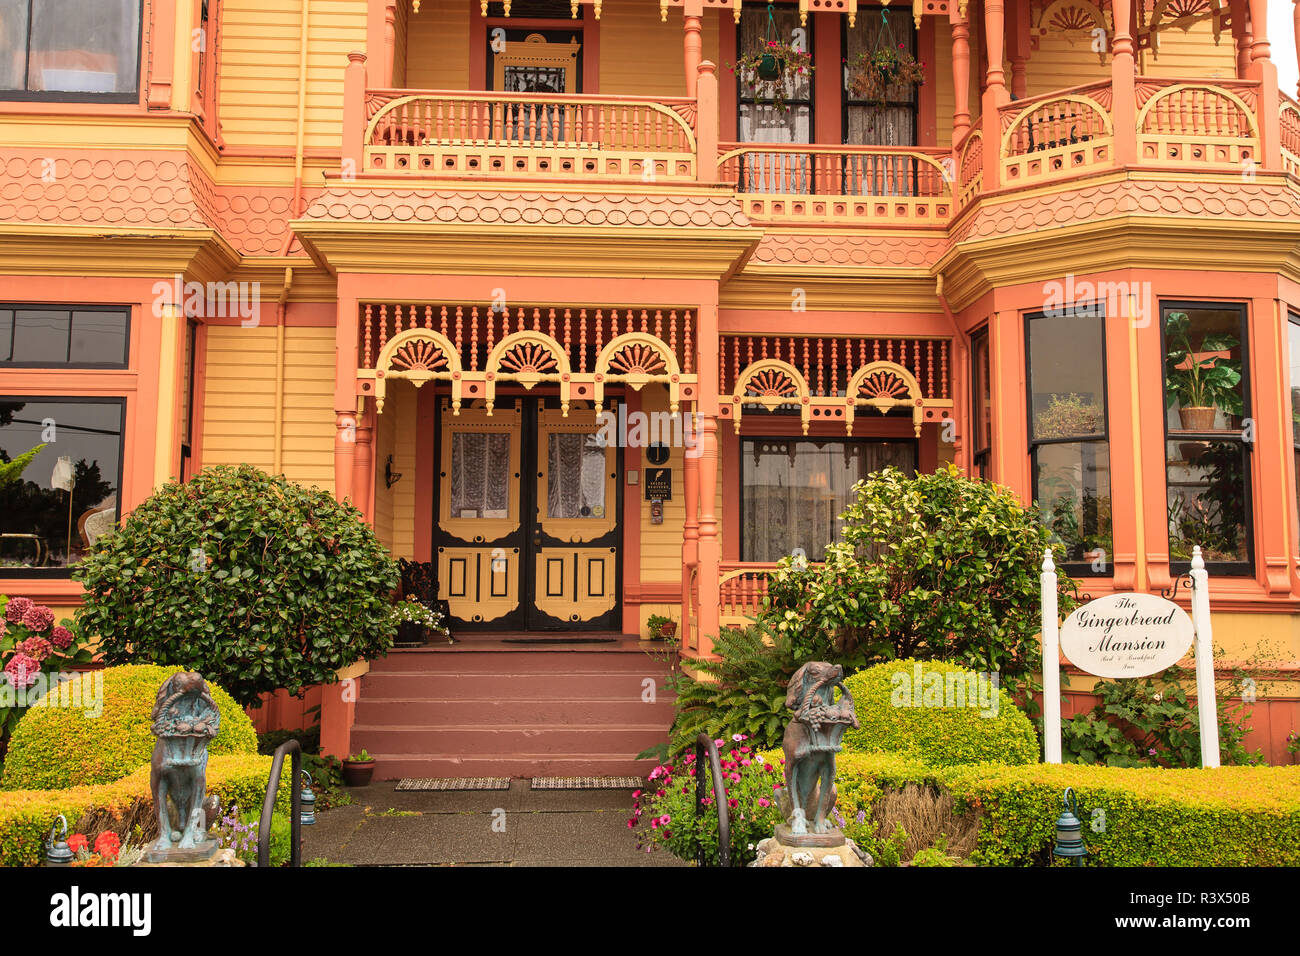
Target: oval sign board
column 1127, row 635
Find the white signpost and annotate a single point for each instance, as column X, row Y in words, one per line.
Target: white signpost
column 1128, row 635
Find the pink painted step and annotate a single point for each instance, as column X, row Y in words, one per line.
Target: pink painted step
column 490, row 709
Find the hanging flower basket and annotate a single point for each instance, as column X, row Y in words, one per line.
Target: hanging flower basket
column 872, row 75
column 770, row 72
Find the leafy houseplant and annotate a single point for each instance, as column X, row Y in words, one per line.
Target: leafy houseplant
column 873, row 74
column 660, row 627
column 33, row 650
column 1067, row 416
column 1200, row 383
column 771, row 72
column 250, row 579
column 358, row 768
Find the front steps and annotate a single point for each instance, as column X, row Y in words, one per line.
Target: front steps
column 487, row 708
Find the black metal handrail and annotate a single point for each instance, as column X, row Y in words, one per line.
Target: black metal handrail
column 704, row 744
column 295, row 807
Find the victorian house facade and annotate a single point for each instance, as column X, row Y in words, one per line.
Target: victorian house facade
column 579, row 318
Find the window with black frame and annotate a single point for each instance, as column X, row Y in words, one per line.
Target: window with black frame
column 891, row 120
column 793, row 490
column 70, row 49
column 981, row 404
column 1293, row 343
column 187, row 399
column 60, row 479
column 1207, row 448
column 40, row 336
column 1068, row 434
column 758, row 119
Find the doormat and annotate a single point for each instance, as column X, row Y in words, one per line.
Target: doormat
column 454, row 783
column 587, row 783
column 560, row 640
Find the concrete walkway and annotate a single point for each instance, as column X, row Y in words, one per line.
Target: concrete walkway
column 515, row 827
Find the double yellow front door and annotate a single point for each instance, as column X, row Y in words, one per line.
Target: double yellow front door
column 527, row 531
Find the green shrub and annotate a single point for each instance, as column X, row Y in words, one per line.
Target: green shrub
column 938, row 713
column 252, row 580
column 743, row 691
column 936, row 566
column 1228, row 816
column 27, row 815
column 58, row 746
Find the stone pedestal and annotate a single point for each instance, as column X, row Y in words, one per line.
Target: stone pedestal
column 195, row 854
column 224, row 857
column 811, row 849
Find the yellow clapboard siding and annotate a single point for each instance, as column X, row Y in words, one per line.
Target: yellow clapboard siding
column 640, row 56
column 437, row 48
column 260, row 64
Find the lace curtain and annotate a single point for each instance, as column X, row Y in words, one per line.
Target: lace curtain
column 895, row 125
column 795, row 491
column 480, row 474
column 575, row 470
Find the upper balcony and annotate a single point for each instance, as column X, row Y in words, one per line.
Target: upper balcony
column 1120, row 119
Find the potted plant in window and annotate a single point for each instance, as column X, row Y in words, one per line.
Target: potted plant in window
column 1199, row 380
column 1067, row 416
column 770, row 72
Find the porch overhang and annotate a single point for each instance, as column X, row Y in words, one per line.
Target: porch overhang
column 36, row 249
column 695, row 235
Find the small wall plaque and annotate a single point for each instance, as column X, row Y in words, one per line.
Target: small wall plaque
column 659, row 484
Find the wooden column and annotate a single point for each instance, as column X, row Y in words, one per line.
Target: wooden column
column 706, row 123
column 710, row 542
column 1018, row 37
column 693, row 45
column 960, row 74
column 354, row 113
column 690, row 527
column 1123, row 84
column 995, row 92
column 363, row 471
column 1240, row 36
column 390, row 41
column 1263, row 70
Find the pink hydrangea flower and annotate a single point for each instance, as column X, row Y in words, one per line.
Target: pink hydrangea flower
column 61, row 637
column 16, row 608
column 37, row 648
column 38, row 617
column 22, row 670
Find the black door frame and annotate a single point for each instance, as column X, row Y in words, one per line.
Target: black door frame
column 528, row 536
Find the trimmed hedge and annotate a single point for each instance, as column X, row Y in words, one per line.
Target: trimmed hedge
column 1229, row 816
column 27, row 815
column 933, row 711
column 57, row 747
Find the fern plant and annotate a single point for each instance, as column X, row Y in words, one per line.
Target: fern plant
column 742, row 692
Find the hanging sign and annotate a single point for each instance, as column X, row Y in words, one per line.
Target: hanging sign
column 1127, row 635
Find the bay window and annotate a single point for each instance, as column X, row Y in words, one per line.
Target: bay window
column 1068, row 441
column 793, row 490
column 1206, row 446
column 70, row 49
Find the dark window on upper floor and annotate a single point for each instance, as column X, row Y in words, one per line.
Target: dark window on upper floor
column 867, row 123
column 758, row 120
column 39, row 336
column 70, row 50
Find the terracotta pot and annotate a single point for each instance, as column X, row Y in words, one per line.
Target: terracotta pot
column 1198, row 418
column 668, row 631
column 357, row 773
column 1193, row 450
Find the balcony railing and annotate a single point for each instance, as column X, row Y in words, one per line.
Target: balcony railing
column 1289, row 123
column 528, row 135
column 840, row 183
column 1191, row 123
column 1057, row 135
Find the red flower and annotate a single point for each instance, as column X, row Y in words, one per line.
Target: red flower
column 107, row 844
column 77, row 842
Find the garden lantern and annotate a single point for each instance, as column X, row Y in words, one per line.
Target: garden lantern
column 58, row 853
column 1069, row 832
column 307, row 800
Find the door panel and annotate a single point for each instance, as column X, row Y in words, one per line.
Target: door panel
column 479, row 536
column 536, row 554
column 575, row 530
